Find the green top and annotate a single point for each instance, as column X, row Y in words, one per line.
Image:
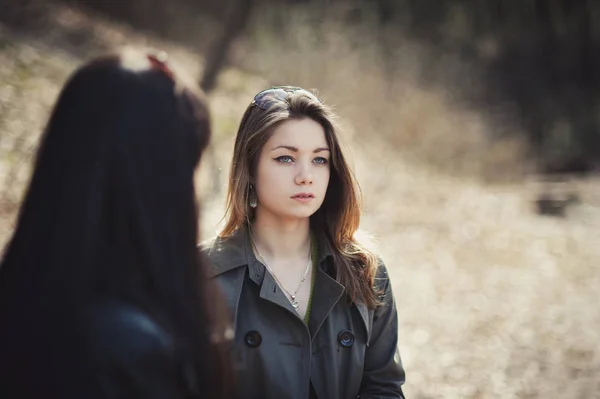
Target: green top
column 315, row 258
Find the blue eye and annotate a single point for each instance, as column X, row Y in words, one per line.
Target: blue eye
column 285, row 159
column 321, row 161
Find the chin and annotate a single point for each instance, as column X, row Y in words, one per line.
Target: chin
column 291, row 212
column 299, row 214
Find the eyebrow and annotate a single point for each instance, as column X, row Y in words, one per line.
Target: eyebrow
column 295, row 149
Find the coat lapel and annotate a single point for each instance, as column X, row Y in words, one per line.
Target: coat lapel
column 326, row 294
column 271, row 292
column 234, row 251
column 366, row 317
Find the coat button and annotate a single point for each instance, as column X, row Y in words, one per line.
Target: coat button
column 346, row 338
column 253, row 339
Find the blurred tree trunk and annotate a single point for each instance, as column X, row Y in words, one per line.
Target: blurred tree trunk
column 216, row 58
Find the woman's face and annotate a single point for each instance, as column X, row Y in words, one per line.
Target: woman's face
column 293, row 170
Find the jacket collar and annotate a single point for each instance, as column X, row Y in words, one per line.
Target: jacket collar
column 229, row 253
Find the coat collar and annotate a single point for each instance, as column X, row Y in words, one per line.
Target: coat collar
column 229, row 253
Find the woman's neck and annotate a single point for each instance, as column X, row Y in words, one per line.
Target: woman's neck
column 281, row 241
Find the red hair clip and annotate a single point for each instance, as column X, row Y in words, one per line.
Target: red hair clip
column 159, row 62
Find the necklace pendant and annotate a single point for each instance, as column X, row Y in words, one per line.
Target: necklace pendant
column 295, row 304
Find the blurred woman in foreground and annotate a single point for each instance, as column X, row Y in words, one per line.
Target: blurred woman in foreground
column 102, row 292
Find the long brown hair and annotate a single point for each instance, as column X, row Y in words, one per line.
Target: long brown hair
column 338, row 216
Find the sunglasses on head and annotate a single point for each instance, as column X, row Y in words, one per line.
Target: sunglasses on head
column 269, row 97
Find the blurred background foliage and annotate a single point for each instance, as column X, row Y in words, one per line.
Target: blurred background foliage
column 532, row 61
column 469, row 123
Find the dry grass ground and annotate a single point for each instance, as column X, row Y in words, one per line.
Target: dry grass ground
column 494, row 301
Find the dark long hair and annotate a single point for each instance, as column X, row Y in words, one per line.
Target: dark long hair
column 110, row 211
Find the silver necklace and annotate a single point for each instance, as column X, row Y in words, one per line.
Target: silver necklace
column 292, row 295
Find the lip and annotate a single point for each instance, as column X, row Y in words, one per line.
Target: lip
column 303, row 197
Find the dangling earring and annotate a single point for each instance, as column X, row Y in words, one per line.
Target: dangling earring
column 252, row 199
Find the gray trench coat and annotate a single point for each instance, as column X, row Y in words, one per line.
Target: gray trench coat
column 346, row 351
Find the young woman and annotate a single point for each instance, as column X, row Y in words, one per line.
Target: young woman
column 102, row 293
column 313, row 310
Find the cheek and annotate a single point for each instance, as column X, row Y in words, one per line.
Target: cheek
column 326, row 182
column 263, row 172
column 326, row 177
column 269, row 181
column 271, row 177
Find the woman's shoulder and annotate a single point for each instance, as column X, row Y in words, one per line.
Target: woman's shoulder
column 225, row 253
column 120, row 332
column 219, row 243
column 382, row 276
column 207, row 245
column 130, row 355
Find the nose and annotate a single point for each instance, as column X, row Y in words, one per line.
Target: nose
column 304, row 175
